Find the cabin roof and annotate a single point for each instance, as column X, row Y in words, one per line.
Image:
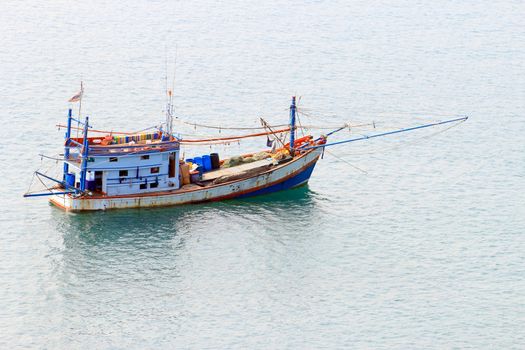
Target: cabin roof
column 133, row 148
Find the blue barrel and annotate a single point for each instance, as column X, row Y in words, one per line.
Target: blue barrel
column 206, row 160
column 189, row 160
column 215, row 161
column 198, row 161
column 70, row 179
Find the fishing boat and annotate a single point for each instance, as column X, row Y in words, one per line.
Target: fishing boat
column 116, row 171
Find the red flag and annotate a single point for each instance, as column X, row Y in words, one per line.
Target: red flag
column 77, row 97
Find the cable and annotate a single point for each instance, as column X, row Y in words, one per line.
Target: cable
column 347, row 162
column 239, row 137
column 218, row 127
column 413, row 142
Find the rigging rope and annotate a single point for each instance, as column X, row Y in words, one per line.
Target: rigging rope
column 218, row 127
column 413, row 142
column 302, row 127
column 239, row 137
column 45, row 187
column 366, row 137
column 347, row 162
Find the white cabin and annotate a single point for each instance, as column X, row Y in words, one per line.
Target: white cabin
column 134, row 173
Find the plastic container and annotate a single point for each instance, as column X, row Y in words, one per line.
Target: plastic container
column 215, row 161
column 70, row 179
column 198, row 161
column 189, row 160
column 206, row 160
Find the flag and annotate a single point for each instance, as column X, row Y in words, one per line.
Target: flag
column 78, row 96
column 269, row 142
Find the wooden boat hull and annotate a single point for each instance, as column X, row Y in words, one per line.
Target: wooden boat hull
column 288, row 175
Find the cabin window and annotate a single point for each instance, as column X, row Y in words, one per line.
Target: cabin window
column 154, row 185
column 123, row 173
column 146, row 156
column 113, row 159
column 143, row 186
column 155, row 170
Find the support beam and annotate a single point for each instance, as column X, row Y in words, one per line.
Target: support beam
column 66, row 149
column 85, row 154
column 46, row 194
column 81, row 123
column 63, row 183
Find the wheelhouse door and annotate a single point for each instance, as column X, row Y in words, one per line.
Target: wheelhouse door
column 98, row 180
column 172, row 164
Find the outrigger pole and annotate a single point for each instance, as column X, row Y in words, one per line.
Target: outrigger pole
column 366, row 137
column 68, row 188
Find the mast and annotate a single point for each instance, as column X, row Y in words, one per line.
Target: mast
column 85, row 154
column 66, row 148
column 169, row 115
column 292, row 126
column 169, row 105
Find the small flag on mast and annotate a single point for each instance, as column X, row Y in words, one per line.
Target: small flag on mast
column 78, row 96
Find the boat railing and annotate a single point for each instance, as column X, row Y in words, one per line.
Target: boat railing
column 135, row 180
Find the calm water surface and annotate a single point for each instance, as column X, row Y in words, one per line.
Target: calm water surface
column 424, row 250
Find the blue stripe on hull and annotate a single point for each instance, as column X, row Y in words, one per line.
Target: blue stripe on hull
column 297, row 180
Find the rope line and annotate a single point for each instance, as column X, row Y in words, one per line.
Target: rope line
column 347, row 162
column 218, row 127
column 239, row 137
column 413, row 142
column 366, row 137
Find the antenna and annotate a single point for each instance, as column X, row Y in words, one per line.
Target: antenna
column 169, row 97
column 174, row 69
column 165, row 67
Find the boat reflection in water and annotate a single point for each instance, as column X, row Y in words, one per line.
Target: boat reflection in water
column 136, row 226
